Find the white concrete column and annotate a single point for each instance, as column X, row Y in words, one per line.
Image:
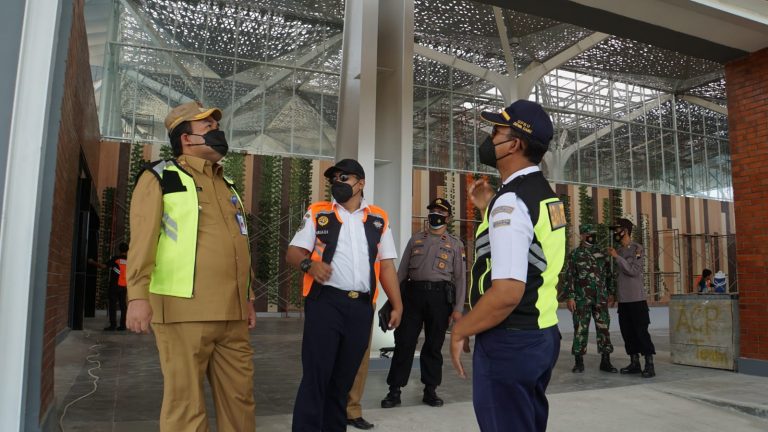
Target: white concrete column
column 394, row 129
column 23, row 204
column 357, row 95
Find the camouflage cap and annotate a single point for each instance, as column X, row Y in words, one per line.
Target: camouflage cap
column 587, row 229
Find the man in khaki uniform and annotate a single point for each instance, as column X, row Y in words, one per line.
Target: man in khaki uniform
column 433, row 276
column 189, row 276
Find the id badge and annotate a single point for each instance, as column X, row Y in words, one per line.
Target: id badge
column 241, row 223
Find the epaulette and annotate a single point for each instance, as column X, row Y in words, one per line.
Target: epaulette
column 154, row 167
column 455, row 237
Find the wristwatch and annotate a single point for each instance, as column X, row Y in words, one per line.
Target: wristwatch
column 305, row 265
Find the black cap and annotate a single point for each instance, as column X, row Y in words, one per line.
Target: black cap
column 526, row 117
column 623, row 223
column 440, row 203
column 346, row 166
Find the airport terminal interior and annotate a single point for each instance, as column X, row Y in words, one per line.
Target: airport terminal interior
column 650, row 122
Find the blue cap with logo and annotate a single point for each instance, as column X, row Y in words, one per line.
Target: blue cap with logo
column 526, row 117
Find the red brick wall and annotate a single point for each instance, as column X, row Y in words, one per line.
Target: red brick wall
column 79, row 132
column 747, row 87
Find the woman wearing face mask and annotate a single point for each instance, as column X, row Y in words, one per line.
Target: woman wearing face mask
column 345, row 248
column 633, row 307
column 433, row 276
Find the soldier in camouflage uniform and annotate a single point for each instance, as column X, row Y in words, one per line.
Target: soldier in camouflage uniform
column 587, row 295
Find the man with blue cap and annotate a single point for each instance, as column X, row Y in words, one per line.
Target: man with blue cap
column 519, row 252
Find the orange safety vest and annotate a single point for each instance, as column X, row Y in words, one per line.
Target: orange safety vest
column 327, row 223
column 121, row 264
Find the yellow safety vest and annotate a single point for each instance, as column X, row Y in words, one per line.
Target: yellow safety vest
column 174, row 272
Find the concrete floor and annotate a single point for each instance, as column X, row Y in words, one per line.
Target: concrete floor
column 129, row 391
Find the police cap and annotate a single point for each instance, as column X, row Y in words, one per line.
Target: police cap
column 440, row 203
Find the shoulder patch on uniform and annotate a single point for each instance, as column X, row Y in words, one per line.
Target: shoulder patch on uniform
column 304, row 221
column 556, row 211
column 501, row 222
column 502, row 209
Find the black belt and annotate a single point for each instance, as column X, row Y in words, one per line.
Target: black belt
column 352, row 295
column 427, row 285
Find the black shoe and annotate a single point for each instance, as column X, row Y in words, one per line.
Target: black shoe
column 110, row 328
column 360, row 423
column 605, row 364
column 432, row 400
column 578, row 367
column 649, row 371
column 392, row 400
column 634, row 365
column 121, row 328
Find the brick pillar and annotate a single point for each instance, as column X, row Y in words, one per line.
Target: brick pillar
column 747, row 87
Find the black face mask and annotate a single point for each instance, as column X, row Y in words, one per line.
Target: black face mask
column 590, row 240
column 342, row 192
column 436, row 220
column 216, row 140
column 487, row 152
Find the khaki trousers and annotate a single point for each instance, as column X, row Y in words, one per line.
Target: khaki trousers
column 220, row 350
column 354, row 409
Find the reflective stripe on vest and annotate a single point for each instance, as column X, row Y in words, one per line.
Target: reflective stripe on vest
column 174, row 272
column 327, row 220
column 546, row 254
column 121, row 266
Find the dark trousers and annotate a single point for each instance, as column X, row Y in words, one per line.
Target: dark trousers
column 633, row 322
column 430, row 309
column 511, row 370
column 336, row 332
column 117, row 295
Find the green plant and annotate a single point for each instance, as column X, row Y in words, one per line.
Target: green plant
column 450, row 195
column 234, row 168
column 105, row 244
column 612, row 210
column 617, row 206
column 268, row 244
column 136, row 165
column 586, row 207
column 166, row 152
column 299, row 192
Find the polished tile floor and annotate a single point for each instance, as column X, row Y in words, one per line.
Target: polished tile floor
column 129, row 391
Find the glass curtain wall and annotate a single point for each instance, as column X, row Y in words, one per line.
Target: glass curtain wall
column 272, row 68
column 607, row 133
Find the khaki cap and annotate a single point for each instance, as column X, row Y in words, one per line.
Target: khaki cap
column 189, row 111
